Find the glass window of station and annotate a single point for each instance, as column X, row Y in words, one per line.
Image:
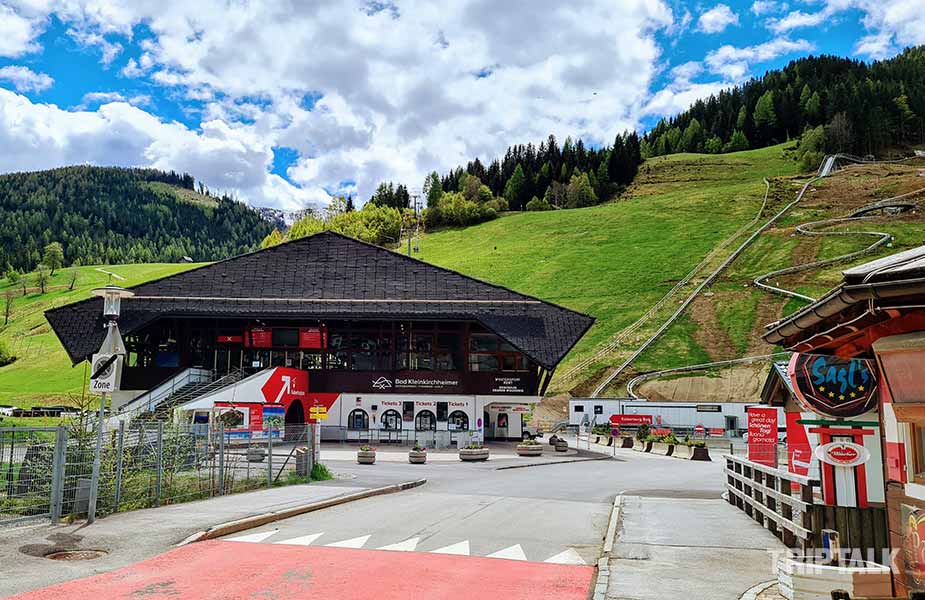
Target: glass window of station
column 337, row 346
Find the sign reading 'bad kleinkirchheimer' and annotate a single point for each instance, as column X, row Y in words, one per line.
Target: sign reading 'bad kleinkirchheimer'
column 833, row 386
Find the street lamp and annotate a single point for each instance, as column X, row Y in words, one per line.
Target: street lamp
column 105, row 375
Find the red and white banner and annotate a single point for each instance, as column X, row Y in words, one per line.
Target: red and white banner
column 630, row 420
column 762, row 435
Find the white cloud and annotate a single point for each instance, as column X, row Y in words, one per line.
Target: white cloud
column 91, row 39
column 232, row 159
column 765, row 7
column 733, row 63
column 18, row 32
column 25, row 79
column 717, row 19
column 891, row 24
column 107, row 97
column 395, row 96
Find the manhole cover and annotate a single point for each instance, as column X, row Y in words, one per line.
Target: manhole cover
column 76, row 555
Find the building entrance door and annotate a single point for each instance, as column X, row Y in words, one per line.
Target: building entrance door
column 489, row 426
column 295, row 421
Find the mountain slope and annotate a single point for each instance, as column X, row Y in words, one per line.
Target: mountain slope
column 114, row 215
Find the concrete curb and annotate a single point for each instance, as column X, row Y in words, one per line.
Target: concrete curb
column 556, row 462
column 753, row 592
column 230, row 527
column 603, row 564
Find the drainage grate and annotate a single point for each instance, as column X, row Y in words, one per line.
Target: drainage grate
column 76, row 555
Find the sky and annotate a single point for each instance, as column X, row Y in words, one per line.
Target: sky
column 283, row 103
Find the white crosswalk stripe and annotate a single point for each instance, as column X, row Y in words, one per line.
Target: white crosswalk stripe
column 567, row 557
column 514, row 552
column 356, row 542
column 460, row 548
column 253, row 537
column 305, row 540
column 406, row 546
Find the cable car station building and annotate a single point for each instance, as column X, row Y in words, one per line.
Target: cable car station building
column 393, row 348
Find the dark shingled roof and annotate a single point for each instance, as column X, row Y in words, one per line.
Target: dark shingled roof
column 330, row 276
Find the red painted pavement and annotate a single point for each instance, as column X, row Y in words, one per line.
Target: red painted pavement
column 238, row 570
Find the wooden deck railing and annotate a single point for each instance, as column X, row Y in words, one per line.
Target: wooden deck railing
column 787, row 505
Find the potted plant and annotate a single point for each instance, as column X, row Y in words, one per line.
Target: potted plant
column 473, row 452
column 418, row 454
column 529, row 448
column 366, row 455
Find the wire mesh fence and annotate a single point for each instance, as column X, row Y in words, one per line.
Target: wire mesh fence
column 48, row 472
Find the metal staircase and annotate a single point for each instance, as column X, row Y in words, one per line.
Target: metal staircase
column 191, row 391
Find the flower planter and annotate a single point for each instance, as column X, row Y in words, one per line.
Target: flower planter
column 366, row 457
column 529, row 450
column 628, row 442
column 683, row 451
column 473, row 454
column 799, row 578
column 662, row 448
column 641, row 446
column 701, row 454
column 256, row 454
column 417, row 457
column 561, row 446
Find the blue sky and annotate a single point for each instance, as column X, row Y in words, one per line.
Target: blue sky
column 284, row 103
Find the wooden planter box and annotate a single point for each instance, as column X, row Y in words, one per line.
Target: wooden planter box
column 529, row 450
column 628, row 442
column 417, row 457
column 366, row 457
column 803, row 580
column 661, row 448
column 469, row 455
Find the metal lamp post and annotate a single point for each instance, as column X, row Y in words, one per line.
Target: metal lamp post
column 104, row 376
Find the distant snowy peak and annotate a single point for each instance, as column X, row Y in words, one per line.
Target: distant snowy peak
column 283, row 219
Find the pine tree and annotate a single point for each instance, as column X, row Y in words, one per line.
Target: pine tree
column 432, row 189
column 514, row 189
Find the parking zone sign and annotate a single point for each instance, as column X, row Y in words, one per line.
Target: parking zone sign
column 104, row 373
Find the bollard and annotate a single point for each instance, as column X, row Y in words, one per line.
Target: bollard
column 57, row 474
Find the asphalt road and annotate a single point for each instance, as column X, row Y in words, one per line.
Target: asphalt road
column 550, row 513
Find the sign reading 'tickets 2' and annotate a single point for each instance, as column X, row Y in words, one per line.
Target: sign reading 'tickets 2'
column 833, row 386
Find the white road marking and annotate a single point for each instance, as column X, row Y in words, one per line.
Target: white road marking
column 253, row 537
column 568, row 557
column 514, row 552
column 407, row 546
column 461, row 548
column 305, row 540
column 356, row 542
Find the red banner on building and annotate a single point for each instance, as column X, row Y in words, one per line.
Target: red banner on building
column 799, row 452
column 630, row 420
column 762, row 435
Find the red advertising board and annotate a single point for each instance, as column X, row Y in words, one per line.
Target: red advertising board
column 799, row 452
column 661, row 431
column 762, row 435
column 618, row 420
column 311, row 337
column 259, row 338
column 717, row 431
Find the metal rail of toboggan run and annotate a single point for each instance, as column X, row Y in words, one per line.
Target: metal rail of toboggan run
column 829, row 164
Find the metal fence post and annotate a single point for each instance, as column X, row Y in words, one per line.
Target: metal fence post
column 270, row 456
column 57, row 475
column 221, row 459
column 97, row 459
column 160, row 463
column 120, row 444
column 310, row 446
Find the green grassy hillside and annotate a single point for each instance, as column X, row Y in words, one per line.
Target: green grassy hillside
column 615, row 260
column 42, row 372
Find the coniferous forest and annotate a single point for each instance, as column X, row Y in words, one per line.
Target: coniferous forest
column 864, row 108
column 114, row 215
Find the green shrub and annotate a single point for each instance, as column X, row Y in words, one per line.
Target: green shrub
column 321, row 473
column 537, row 204
column 6, row 355
column 643, row 433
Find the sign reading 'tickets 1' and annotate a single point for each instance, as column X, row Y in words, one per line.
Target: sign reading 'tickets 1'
column 833, row 386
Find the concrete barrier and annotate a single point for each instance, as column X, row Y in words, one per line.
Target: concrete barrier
column 683, row 451
column 662, row 448
column 628, row 442
column 640, row 446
